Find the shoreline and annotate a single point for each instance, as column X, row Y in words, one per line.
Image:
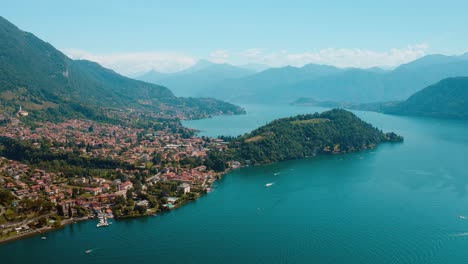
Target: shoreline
column 42, row 230
column 69, row 221
column 66, row 222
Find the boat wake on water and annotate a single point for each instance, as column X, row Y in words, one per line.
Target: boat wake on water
column 460, row 234
column 90, row 250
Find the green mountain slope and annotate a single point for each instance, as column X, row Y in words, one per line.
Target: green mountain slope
column 445, row 99
column 48, row 84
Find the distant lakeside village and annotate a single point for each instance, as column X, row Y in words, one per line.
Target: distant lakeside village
column 80, row 169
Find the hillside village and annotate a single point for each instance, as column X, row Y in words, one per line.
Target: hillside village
column 148, row 171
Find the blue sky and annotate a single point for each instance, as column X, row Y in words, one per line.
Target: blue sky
column 169, row 35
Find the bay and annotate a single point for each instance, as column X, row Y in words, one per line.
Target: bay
column 399, row 203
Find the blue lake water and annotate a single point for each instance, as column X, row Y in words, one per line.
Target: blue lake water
column 399, row 203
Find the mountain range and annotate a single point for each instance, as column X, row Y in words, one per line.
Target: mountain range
column 447, row 98
column 48, row 84
column 192, row 81
column 321, row 82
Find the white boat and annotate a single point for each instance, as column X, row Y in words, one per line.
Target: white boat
column 462, row 217
column 43, row 238
column 269, row 184
column 102, row 222
column 90, row 250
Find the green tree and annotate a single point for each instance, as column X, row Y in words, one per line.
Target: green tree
column 129, row 194
column 140, row 209
column 60, row 210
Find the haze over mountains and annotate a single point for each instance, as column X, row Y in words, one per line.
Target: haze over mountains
column 47, row 83
column 321, row 82
column 194, row 80
column 43, row 80
column 445, row 99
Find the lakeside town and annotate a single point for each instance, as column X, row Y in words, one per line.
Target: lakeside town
column 93, row 169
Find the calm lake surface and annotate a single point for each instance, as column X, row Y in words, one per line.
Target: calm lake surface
column 399, row 203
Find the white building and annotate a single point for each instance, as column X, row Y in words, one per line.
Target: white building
column 184, row 188
column 21, row 112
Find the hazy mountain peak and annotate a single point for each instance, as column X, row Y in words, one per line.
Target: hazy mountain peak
column 153, row 73
column 428, row 60
column 320, row 67
column 257, row 67
column 464, row 56
column 377, row 69
column 204, row 63
column 200, row 65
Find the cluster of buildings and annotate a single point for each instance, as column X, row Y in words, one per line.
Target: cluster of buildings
column 100, row 193
column 134, row 146
column 25, row 182
column 130, row 145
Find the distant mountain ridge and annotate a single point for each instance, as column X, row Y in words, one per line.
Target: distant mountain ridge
column 47, row 83
column 358, row 85
column 269, row 85
column 447, row 98
column 191, row 81
column 329, row 83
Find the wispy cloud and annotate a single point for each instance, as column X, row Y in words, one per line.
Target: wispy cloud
column 219, row 56
column 136, row 62
column 359, row 58
column 253, row 54
column 133, row 63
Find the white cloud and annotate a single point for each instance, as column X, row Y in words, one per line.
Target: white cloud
column 136, row 62
column 219, row 56
column 252, row 54
column 359, row 58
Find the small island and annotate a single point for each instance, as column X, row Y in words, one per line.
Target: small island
column 332, row 132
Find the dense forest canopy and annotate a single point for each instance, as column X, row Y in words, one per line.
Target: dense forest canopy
column 332, row 132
